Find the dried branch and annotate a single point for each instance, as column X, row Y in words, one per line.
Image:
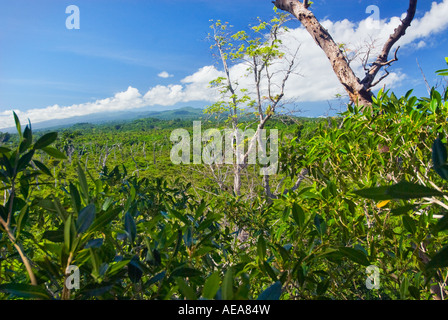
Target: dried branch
column 393, row 38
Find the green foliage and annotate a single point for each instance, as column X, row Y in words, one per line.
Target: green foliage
column 112, row 204
column 443, row 72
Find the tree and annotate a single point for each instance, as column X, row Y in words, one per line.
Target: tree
column 359, row 91
column 267, row 70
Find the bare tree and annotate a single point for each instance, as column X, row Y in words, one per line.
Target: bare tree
column 359, row 91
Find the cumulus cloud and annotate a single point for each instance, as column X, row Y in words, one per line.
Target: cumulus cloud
column 314, row 81
column 129, row 99
column 164, row 75
column 192, row 88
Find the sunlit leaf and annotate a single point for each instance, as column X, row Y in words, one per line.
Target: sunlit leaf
column 211, row 286
column 382, row 204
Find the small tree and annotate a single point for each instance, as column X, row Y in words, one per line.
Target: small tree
column 267, row 70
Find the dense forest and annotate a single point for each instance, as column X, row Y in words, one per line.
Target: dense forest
column 355, row 211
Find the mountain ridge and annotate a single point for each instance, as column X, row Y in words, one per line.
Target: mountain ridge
column 101, row 118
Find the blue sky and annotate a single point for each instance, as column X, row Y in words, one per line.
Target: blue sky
column 131, row 54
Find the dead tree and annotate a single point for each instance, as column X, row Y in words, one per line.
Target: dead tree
column 359, row 91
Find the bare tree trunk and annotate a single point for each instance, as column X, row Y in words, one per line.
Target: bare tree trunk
column 238, row 168
column 358, row 90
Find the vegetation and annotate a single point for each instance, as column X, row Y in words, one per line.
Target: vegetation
column 105, row 202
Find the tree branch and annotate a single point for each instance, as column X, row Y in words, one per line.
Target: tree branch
column 393, row 38
column 358, row 91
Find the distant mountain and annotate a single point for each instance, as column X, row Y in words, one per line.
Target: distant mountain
column 98, row 118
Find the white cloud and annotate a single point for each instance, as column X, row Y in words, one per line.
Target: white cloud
column 434, row 21
column 316, row 81
column 129, row 99
column 164, row 75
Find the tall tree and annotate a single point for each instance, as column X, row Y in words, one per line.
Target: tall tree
column 359, row 91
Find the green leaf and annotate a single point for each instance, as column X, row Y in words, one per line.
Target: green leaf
column 320, row 224
column 176, row 213
column 200, row 209
column 440, row 259
column 185, row 289
column 442, row 171
column 135, row 272
column 46, row 140
column 269, row 270
column 261, row 247
column 323, row 286
column 27, row 139
column 21, row 220
column 211, row 286
column 130, row 227
column 55, row 153
column 186, row 272
column 18, row 125
column 94, row 243
column 407, row 190
column 442, row 224
column 272, row 293
column 68, row 234
column 104, row 219
column 355, row 255
column 302, row 271
column 4, row 150
column 42, row 167
column 25, row 291
column 409, row 224
column 414, row 292
column 24, row 161
column 403, row 210
column 76, row 199
column 117, row 267
column 402, row 190
column 376, row 193
column 155, row 279
column 439, row 154
column 188, row 237
column 83, row 183
column 298, row 215
column 404, row 285
column 227, row 285
column 54, row 235
column 85, row 218
column 439, row 157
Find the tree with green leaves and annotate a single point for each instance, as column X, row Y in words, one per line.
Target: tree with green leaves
column 256, row 69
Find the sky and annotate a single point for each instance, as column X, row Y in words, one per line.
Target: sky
column 130, row 55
